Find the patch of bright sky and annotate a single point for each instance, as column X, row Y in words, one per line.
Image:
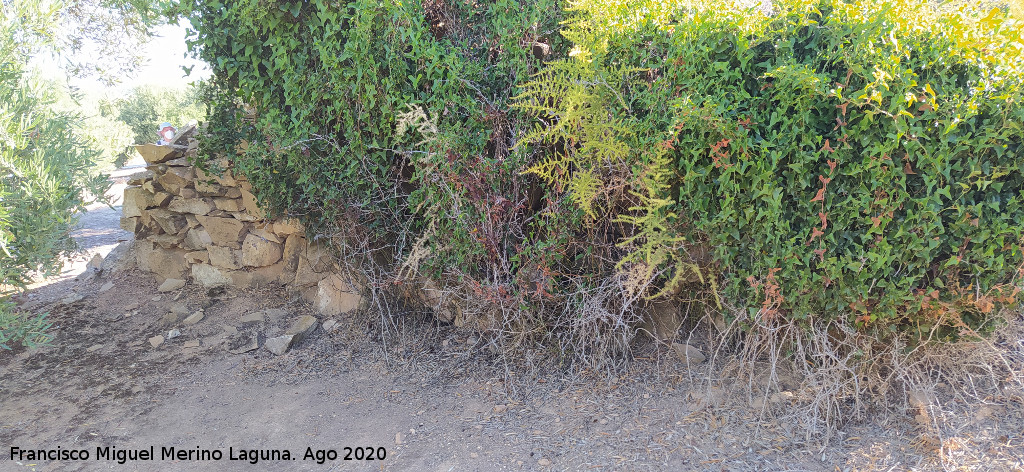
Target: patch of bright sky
column 165, row 55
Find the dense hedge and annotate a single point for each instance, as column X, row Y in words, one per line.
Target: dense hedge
column 393, row 114
column 840, row 157
column 836, row 158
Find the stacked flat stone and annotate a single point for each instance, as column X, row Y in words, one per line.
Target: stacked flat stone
column 190, row 223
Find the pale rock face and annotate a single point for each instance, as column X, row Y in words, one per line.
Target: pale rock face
column 266, row 234
column 305, row 276
column 131, row 224
column 337, row 295
column 176, row 178
column 170, row 222
column 228, row 204
column 209, row 276
column 288, row 226
column 167, row 263
column 197, row 239
column 223, row 230
column 251, row 207
column 195, row 206
column 136, row 199
column 259, row 252
column 198, row 257
column 155, row 154
column 293, row 247
column 224, row 257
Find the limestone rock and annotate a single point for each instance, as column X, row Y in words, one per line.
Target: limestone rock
column 293, row 247
column 139, row 178
column 116, row 260
column 275, row 314
column 288, row 226
column 305, row 276
column 197, row 257
column 318, row 255
column 167, row 241
column 171, row 285
column 171, row 223
column 337, row 295
column 96, row 263
column 242, row 342
column 225, row 178
column 251, row 206
column 195, row 206
column 194, row 318
column 176, row 178
column 177, row 162
column 210, row 189
column 279, row 345
column 209, row 276
column 168, row 263
column 240, row 279
column 228, row 204
column 259, row 252
column 223, row 230
column 197, row 239
column 243, row 216
column 188, row 193
column 160, row 199
column 688, row 353
column 152, row 187
column 266, row 234
column 226, row 258
column 156, row 341
column 233, row 192
column 154, row 153
column 254, row 317
column 301, row 328
column 274, row 273
column 131, row 225
column 135, row 200
column 663, row 320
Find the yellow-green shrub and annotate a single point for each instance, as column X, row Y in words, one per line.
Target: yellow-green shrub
column 839, row 158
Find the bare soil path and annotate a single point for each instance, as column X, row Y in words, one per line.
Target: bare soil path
column 414, row 394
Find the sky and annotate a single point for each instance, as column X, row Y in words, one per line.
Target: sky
column 165, row 55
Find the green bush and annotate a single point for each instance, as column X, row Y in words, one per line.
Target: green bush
column 832, row 159
column 391, row 114
column 858, row 158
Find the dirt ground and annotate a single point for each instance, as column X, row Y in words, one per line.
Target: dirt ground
column 434, row 397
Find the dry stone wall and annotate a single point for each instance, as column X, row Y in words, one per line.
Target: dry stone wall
column 190, row 225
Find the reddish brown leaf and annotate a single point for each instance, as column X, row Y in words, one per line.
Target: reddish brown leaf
column 827, row 147
column 876, row 221
column 820, row 197
column 821, row 254
column 824, row 180
column 831, row 166
column 824, row 220
column 907, row 169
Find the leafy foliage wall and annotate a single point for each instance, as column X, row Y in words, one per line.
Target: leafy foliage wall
column 853, row 160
